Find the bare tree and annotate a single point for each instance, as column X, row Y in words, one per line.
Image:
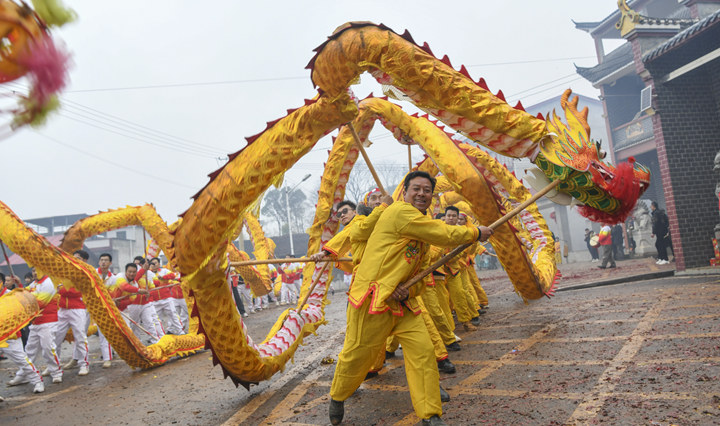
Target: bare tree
column 361, row 180
column 274, row 206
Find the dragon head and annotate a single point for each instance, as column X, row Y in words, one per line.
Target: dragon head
column 608, row 193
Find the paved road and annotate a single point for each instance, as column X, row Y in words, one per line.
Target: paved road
column 635, row 353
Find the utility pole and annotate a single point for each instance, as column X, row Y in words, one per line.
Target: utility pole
column 287, row 210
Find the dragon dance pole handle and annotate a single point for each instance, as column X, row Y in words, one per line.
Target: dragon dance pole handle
column 367, row 159
column 288, row 260
column 7, row 259
column 312, row 286
column 443, row 260
column 410, row 166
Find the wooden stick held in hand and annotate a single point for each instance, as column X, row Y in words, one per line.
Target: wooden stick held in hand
column 289, row 260
column 312, row 286
column 367, row 159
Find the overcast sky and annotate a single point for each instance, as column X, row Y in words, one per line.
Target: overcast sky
column 122, row 138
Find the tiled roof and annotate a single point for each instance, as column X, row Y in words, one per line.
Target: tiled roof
column 682, row 36
column 612, row 62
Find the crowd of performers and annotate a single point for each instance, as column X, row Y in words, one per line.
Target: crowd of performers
column 390, row 242
column 148, row 296
column 402, row 238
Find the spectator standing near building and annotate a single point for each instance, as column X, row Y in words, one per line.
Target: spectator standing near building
column 605, row 242
column 592, row 249
column 618, row 242
column 661, row 232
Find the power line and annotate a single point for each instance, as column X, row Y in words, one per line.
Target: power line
column 164, row 139
column 133, row 137
column 165, row 86
column 262, row 80
column 541, row 85
column 530, row 61
column 181, row 141
column 113, row 163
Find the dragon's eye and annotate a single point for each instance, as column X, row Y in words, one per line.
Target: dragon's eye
column 602, row 154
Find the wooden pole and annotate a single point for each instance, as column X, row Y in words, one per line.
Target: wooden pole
column 312, row 286
column 457, row 250
column 289, row 260
column 367, row 159
column 7, row 259
column 138, row 325
column 410, row 166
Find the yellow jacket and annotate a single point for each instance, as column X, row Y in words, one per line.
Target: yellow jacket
column 399, row 243
column 339, row 244
column 360, row 233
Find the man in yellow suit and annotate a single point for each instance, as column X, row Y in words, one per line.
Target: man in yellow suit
column 378, row 307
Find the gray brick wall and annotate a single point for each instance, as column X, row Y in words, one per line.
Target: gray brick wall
column 688, row 108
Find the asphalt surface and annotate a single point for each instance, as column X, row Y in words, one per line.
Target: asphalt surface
column 646, row 352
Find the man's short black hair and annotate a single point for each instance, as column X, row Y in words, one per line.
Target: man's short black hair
column 364, row 210
column 108, row 255
column 453, row 208
column 130, row 265
column 342, row 204
column 439, row 215
column 28, row 275
column 418, row 173
column 2, row 278
column 155, row 258
column 83, row 254
column 654, row 204
column 140, row 258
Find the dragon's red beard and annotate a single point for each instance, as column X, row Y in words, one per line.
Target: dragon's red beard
column 624, row 187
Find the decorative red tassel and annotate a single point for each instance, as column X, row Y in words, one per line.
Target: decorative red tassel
column 623, row 187
column 47, row 69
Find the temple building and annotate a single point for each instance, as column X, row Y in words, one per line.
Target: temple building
column 660, row 90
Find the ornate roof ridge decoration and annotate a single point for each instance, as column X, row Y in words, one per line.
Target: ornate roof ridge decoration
column 630, row 20
column 680, row 37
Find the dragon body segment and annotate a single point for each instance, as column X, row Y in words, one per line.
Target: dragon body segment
column 431, row 84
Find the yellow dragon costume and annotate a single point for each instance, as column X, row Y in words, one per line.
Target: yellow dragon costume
column 198, row 245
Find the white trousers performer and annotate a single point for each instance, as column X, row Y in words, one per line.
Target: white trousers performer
column 76, row 320
column 246, row 296
column 41, row 342
column 182, row 310
column 26, row 368
column 166, row 308
column 105, row 348
column 148, row 316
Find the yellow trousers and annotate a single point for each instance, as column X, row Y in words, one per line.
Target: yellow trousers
column 475, row 281
column 436, row 337
column 443, row 297
column 461, row 298
column 432, row 302
column 438, row 345
column 365, row 336
column 474, row 299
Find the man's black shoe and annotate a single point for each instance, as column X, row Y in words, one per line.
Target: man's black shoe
column 337, row 411
column 445, row 366
column 389, row 354
column 371, row 374
column 475, row 321
column 601, row 267
column 444, row 396
column 434, row 421
column 453, row 347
